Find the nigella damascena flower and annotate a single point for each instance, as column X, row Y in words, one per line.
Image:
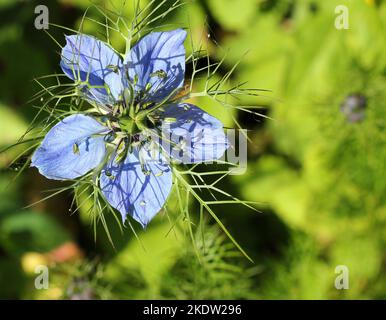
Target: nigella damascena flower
column 137, row 125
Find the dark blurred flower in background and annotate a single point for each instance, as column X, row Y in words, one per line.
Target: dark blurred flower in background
column 354, row 107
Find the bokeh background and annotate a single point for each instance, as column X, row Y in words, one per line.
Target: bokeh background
column 317, row 166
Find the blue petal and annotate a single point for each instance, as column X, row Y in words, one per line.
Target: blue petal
column 154, row 54
column 71, row 148
column 88, row 59
column 132, row 191
column 195, row 135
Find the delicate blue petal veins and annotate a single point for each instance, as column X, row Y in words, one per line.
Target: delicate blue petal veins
column 138, row 190
column 71, row 148
column 93, row 62
column 158, row 61
column 194, row 135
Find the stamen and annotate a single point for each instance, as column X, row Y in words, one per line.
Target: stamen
column 104, row 119
column 75, row 148
column 159, row 73
column 109, row 175
column 110, row 137
column 122, row 150
column 114, row 68
column 170, row 119
column 135, row 80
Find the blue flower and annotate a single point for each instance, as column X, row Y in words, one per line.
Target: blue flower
column 138, row 128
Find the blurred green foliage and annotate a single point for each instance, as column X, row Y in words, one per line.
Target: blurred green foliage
column 318, row 176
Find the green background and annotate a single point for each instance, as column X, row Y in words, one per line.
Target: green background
column 318, row 177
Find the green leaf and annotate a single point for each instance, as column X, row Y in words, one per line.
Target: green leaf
column 31, row 231
column 151, row 258
column 233, row 15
